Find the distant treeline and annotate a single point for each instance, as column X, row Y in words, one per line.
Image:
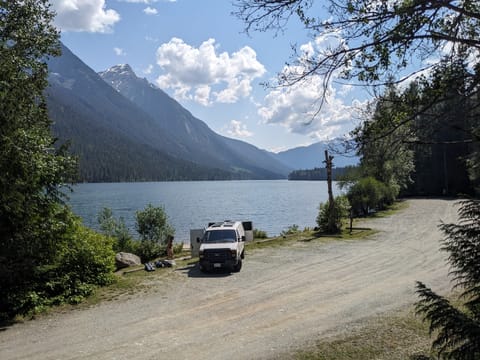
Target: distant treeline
column 316, row 174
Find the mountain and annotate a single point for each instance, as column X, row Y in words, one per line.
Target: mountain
column 117, row 140
column 193, row 138
column 312, row 156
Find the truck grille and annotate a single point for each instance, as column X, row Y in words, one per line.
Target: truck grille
column 217, row 255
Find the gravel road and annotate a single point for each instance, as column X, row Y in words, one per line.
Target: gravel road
column 282, row 298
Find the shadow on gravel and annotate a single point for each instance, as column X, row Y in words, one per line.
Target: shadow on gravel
column 193, row 271
column 5, row 324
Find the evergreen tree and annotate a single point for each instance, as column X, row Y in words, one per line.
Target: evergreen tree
column 457, row 328
column 39, row 236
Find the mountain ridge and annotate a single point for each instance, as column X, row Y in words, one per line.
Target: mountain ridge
column 99, row 134
column 312, row 156
column 198, row 141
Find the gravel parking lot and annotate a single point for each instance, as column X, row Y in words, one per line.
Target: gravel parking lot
column 283, row 297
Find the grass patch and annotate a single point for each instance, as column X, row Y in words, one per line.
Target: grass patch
column 398, row 336
column 396, row 207
column 309, row 235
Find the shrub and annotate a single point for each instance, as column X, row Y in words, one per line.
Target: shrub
column 369, row 194
column 341, row 209
column 291, row 230
column 259, row 234
column 178, row 248
column 117, row 229
column 148, row 250
column 86, row 261
column 153, row 227
column 80, row 260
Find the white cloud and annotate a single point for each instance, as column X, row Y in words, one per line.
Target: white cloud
column 148, row 70
column 119, row 51
column 237, row 129
column 193, row 73
column 84, row 15
column 202, row 95
column 297, row 107
column 150, row 11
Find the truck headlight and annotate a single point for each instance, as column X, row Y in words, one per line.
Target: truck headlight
column 233, row 253
column 200, row 254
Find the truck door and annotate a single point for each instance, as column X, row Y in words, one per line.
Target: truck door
column 194, row 245
column 248, row 227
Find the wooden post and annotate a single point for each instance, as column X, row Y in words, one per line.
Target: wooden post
column 170, row 247
column 331, row 204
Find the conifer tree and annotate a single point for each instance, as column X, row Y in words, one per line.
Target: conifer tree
column 457, row 328
column 32, row 217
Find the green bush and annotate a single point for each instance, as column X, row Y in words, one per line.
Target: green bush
column 259, row 234
column 86, row 260
column 291, row 230
column 341, row 210
column 153, row 227
column 117, row 229
column 369, row 194
column 178, row 248
column 81, row 260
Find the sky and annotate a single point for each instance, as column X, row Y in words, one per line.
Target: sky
column 198, row 53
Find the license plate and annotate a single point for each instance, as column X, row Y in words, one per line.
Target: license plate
column 217, row 265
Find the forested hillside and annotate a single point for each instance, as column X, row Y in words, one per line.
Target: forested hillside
column 316, row 174
column 118, row 140
column 191, row 138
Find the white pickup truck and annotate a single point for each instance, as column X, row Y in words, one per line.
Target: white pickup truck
column 223, row 245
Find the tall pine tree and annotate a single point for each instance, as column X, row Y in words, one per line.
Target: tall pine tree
column 33, row 218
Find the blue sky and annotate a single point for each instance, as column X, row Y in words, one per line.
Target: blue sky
column 197, row 52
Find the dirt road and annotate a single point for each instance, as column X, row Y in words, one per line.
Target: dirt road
column 282, row 298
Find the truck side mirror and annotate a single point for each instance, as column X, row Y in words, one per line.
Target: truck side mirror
column 198, row 239
column 243, row 238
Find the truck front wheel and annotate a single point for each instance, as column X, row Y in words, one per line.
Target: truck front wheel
column 238, row 267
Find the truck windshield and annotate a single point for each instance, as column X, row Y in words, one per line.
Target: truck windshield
column 220, row 236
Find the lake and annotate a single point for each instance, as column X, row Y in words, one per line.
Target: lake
column 273, row 205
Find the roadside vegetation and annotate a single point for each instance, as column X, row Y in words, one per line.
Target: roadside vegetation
column 47, row 257
column 153, row 229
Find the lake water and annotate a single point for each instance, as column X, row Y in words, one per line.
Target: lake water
column 273, row 206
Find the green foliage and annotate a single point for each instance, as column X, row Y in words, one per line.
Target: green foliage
column 376, row 41
column 316, row 174
column 427, row 133
column 259, row 234
column 152, row 224
column 117, row 229
column 381, row 141
column 341, row 210
column 369, row 194
column 153, row 227
column 457, row 329
column 291, row 230
column 46, row 255
column 86, row 260
column 178, row 248
column 80, row 260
